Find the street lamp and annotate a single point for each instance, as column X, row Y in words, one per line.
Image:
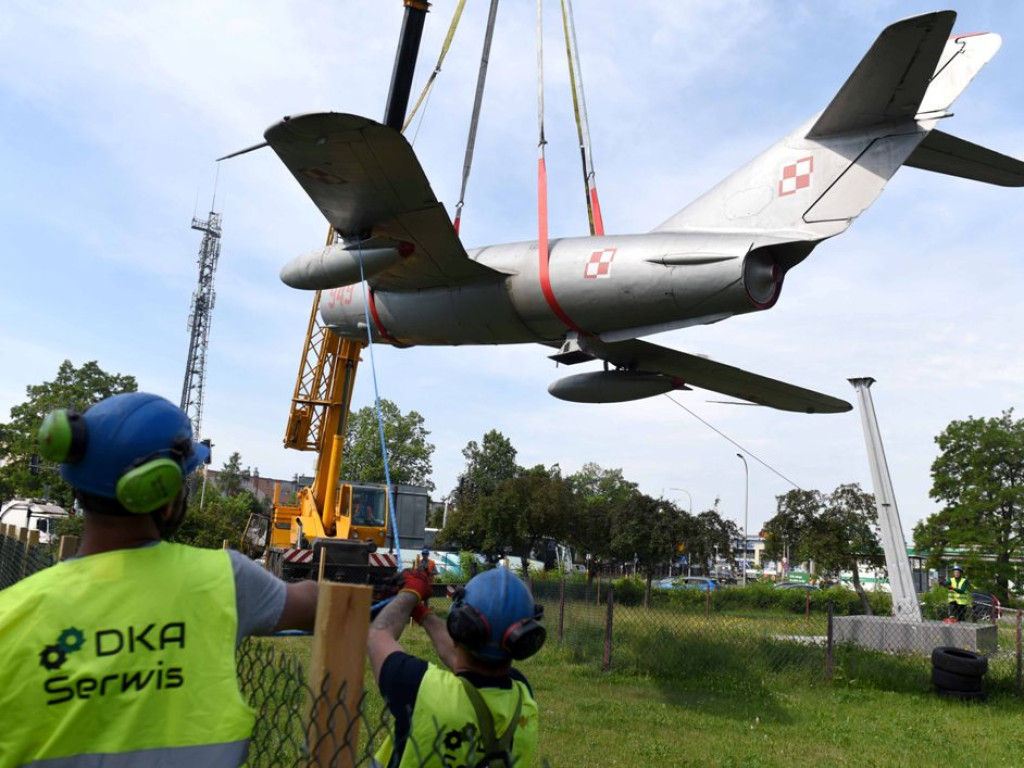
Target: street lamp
column 746, row 506
column 688, row 495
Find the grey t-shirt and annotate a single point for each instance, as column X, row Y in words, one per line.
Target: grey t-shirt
column 259, row 596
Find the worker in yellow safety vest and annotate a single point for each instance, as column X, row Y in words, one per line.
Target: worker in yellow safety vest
column 124, row 655
column 480, row 711
column 959, row 594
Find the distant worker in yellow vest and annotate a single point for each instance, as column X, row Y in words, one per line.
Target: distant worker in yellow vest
column 480, row 711
column 959, row 594
column 425, row 564
column 125, row 654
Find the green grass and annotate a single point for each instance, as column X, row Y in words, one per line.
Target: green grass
column 686, row 690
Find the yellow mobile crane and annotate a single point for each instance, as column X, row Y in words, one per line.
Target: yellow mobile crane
column 338, row 524
column 346, row 521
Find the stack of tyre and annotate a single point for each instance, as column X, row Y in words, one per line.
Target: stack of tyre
column 958, row 674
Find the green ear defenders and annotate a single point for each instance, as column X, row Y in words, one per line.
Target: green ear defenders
column 148, row 484
column 63, row 437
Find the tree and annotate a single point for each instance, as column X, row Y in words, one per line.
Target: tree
column 979, row 477
column 646, row 531
column 221, row 517
column 843, row 535
column 785, row 532
column 232, row 476
column 408, row 451
column 601, row 494
column 708, row 537
column 524, row 511
column 488, row 464
column 73, row 387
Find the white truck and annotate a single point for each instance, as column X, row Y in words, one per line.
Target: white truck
column 34, row 515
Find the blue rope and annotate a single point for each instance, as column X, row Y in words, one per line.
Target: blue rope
column 376, row 398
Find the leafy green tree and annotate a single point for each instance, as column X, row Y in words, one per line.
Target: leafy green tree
column 232, row 477
column 979, row 477
column 646, row 531
column 488, row 464
column 709, row 536
column 524, row 511
column 408, row 450
column 785, row 533
column 72, row 388
column 222, row 517
column 843, row 535
column 601, row 494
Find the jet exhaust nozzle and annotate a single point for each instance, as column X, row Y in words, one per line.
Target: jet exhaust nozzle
column 336, row 265
column 612, row 386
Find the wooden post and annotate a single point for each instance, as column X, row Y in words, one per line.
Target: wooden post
column 707, row 602
column 68, row 547
column 31, row 539
column 226, row 544
column 336, row 673
column 322, row 565
column 807, row 609
column 609, row 622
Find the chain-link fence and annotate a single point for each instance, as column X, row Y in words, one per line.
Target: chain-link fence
column 727, row 639
column 731, row 638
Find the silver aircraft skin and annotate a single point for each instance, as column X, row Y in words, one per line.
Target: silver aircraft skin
column 593, row 298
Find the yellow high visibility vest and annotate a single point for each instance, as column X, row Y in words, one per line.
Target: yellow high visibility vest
column 956, row 597
column 444, row 724
column 128, row 655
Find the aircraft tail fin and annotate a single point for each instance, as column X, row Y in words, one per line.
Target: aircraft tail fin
column 813, row 183
column 890, row 82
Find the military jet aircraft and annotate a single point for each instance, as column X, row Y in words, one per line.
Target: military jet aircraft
column 594, row 298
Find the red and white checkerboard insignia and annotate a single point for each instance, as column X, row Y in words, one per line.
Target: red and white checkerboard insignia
column 796, row 176
column 298, row 556
column 600, row 264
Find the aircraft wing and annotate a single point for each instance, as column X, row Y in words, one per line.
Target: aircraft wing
column 695, row 371
column 366, row 180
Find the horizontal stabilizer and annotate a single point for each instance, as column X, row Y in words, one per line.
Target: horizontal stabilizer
column 368, row 183
column 947, row 154
column 692, row 370
column 891, row 80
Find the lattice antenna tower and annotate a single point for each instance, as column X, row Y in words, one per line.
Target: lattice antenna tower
column 199, row 321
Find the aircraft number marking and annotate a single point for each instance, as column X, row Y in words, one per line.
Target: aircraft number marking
column 341, row 295
column 796, row 176
column 600, row 264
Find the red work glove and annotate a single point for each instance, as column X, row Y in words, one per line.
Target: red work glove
column 418, row 583
column 419, row 613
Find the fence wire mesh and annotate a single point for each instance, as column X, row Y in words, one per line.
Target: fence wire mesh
column 724, row 639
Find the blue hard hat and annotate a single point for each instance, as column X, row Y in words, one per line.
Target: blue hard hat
column 125, row 431
column 425, row 551
column 503, row 600
column 957, row 568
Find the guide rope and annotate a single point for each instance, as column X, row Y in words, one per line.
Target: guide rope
column 376, row 399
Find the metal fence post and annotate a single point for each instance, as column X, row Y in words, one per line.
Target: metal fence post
column 829, row 646
column 336, row 673
column 1020, row 658
column 608, row 623
column 707, row 603
column 598, row 592
column 561, row 610
column 807, row 608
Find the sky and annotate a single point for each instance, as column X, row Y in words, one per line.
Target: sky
column 112, row 114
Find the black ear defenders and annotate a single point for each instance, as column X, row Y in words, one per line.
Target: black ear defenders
column 148, row 484
column 469, row 627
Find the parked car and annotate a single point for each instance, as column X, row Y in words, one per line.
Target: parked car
column 688, row 582
column 796, row 585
